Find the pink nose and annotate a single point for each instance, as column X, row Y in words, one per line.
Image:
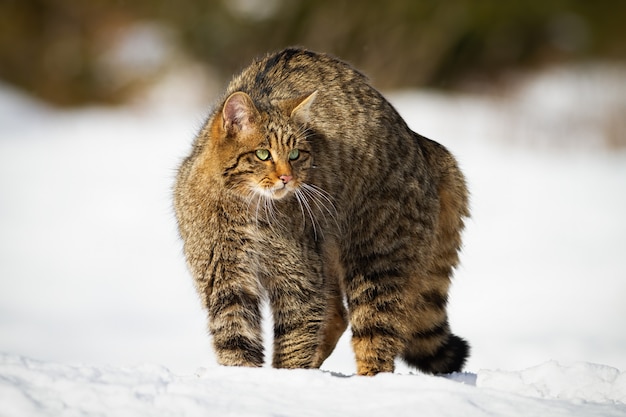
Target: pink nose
column 285, row 178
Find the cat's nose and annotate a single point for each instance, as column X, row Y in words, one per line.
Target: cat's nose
column 285, row 178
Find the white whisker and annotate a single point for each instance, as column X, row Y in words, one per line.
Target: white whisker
column 303, row 132
column 273, row 214
column 315, row 204
column 269, row 212
column 302, row 199
column 297, row 194
column 322, row 201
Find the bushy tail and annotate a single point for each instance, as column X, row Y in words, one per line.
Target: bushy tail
column 448, row 357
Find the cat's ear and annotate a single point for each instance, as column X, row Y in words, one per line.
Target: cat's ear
column 301, row 113
column 239, row 113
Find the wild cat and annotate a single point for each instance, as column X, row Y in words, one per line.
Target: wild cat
column 306, row 186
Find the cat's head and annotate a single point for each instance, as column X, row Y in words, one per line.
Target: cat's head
column 262, row 151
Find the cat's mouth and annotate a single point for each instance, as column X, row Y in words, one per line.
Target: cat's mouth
column 277, row 192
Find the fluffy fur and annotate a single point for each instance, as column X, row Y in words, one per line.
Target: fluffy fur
column 306, row 186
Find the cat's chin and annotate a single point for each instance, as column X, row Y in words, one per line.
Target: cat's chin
column 274, row 194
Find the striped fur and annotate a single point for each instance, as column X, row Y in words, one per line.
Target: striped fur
column 347, row 207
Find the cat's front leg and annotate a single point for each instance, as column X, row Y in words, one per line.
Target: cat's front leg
column 235, row 320
column 299, row 310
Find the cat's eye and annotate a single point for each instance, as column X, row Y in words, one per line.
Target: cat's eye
column 262, row 154
column 294, row 154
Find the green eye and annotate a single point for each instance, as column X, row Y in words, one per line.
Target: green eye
column 262, row 154
column 294, row 154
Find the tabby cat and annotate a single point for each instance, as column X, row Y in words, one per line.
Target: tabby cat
column 306, row 186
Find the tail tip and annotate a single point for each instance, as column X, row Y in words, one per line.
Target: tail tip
column 450, row 357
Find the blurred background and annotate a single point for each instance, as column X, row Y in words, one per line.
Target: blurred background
column 72, row 52
column 100, row 101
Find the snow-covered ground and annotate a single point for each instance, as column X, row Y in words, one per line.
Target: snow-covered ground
column 98, row 314
column 29, row 387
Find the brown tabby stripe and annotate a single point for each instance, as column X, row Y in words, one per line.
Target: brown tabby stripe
column 371, row 214
column 448, row 357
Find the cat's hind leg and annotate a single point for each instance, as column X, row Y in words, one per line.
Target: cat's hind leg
column 336, row 324
column 432, row 348
column 378, row 328
column 336, row 316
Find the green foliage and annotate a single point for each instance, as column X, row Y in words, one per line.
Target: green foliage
column 54, row 48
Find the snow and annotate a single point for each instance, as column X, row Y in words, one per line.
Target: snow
column 29, row 387
column 579, row 381
column 98, row 315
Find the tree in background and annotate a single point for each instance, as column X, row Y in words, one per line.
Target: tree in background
column 72, row 52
